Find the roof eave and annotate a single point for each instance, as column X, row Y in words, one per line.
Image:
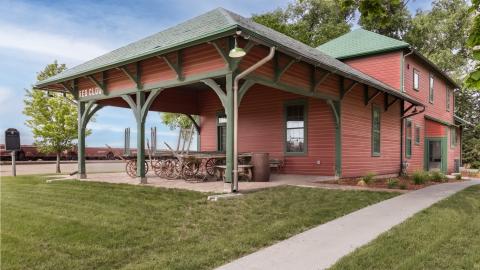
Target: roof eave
column 218, row 34
column 391, row 49
column 436, row 68
column 462, row 121
column 329, row 68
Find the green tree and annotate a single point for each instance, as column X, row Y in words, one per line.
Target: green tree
column 473, row 79
column 441, row 35
column 312, row 22
column 52, row 118
column 468, row 107
column 177, row 120
column 386, row 17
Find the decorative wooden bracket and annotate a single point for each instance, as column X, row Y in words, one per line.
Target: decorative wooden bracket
column 243, row 89
column 279, row 71
column 221, row 51
column 175, row 67
column 102, row 85
column 140, row 111
column 197, row 127
column 367, row 97
column 335, row 112
column 134, row 78
column 343, row 92
column 90, row 110
column 67, row 88
column 215, row 87
column 388, row 103
column 321, row 80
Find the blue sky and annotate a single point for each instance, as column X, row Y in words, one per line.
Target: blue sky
column 34, row 33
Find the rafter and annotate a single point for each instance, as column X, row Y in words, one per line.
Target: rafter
column 67, row 88
column 130, row 76
column 280, row 71
column 98, row 84
column 388, row 103
column 220, row 51
column 345, row 91
column 322, row 79
column 175, row 67
column 368, row 98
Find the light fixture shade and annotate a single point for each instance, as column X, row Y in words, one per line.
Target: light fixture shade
column 237, row 52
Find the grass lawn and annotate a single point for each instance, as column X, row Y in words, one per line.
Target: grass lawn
column 85, row 225
column 444, row 236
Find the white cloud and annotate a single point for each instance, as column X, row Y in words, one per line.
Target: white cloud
column 107, row 127
column 62, row 46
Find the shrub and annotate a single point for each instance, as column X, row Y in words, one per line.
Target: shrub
column 437, row 176
column 392, row 183
column 458, row 177
column 420, row 177
column 361, row 183
column 368, row 178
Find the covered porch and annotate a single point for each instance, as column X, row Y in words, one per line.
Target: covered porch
column 194, row 73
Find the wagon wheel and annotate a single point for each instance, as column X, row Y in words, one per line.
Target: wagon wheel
column 210, row 166
column 173, row 170
column 158, row 167
column 131, row 168
column 190, row 170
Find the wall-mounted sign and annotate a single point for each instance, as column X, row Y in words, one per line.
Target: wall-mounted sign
column 92, row 91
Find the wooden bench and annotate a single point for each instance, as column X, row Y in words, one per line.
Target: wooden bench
column 276, row 164
column 243, row 170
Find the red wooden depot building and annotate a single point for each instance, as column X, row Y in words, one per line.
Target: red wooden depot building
column 366, row 111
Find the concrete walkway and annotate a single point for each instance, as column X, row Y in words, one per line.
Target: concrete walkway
column 322, row 246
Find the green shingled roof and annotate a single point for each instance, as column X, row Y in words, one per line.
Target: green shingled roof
column 211, row 25
column 360, row 42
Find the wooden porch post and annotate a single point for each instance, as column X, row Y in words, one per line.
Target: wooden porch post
column 229, row 110
column 140, row 101
column 82, row 173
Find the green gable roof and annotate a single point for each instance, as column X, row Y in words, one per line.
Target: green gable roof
column 211, row 25
column 360, row 42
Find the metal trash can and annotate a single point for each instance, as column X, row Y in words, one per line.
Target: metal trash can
column 261, row 167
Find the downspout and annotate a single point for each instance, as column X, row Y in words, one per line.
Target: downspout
column 235, row 114
column 402, row 89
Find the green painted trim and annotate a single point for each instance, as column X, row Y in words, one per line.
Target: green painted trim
column 376, row 108
column 146, row 107
column 81, row 141
column 408, row 141
column 163, row 84
column 243, row 90
column 418, row 130
column 229, row 110
column 391, row 49
column 228, row 31
column 286, row 104
column 280, row 71
column 438, row 120
column 289, row 88
column 97, row 83
column 447, row 97
column 140, row 101
column 218, row 115
column 453, row 143
column 444, row 154
column 336, row 111
column 216, row 88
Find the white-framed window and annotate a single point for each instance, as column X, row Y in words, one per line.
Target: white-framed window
column 416, row 80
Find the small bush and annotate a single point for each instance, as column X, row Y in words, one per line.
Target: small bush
column 420, row 177
column 368, row 178
column 361, row 183
column 458, row 177
column 402, row 186
column 392, row 183
column 437, row 176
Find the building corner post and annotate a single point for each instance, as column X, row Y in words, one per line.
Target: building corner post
column 338, row 140
column 229, row 110
column 82, row 172
column 140, row 101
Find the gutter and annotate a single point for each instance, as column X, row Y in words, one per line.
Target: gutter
column 235, row 114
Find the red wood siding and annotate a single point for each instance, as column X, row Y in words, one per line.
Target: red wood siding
column 357, row 156
column 261, row 129
column 434, row 129
column 383, row 67
column 438, row 108
column 416, row 160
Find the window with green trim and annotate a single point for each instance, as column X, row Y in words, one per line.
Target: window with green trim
column 416, row 80
column 408, row 138
column 430, row 92
column 417, row 134
column 448, row 99
column 295, row 131
column 453, row 137
column 376, row 136
column 221, row 132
